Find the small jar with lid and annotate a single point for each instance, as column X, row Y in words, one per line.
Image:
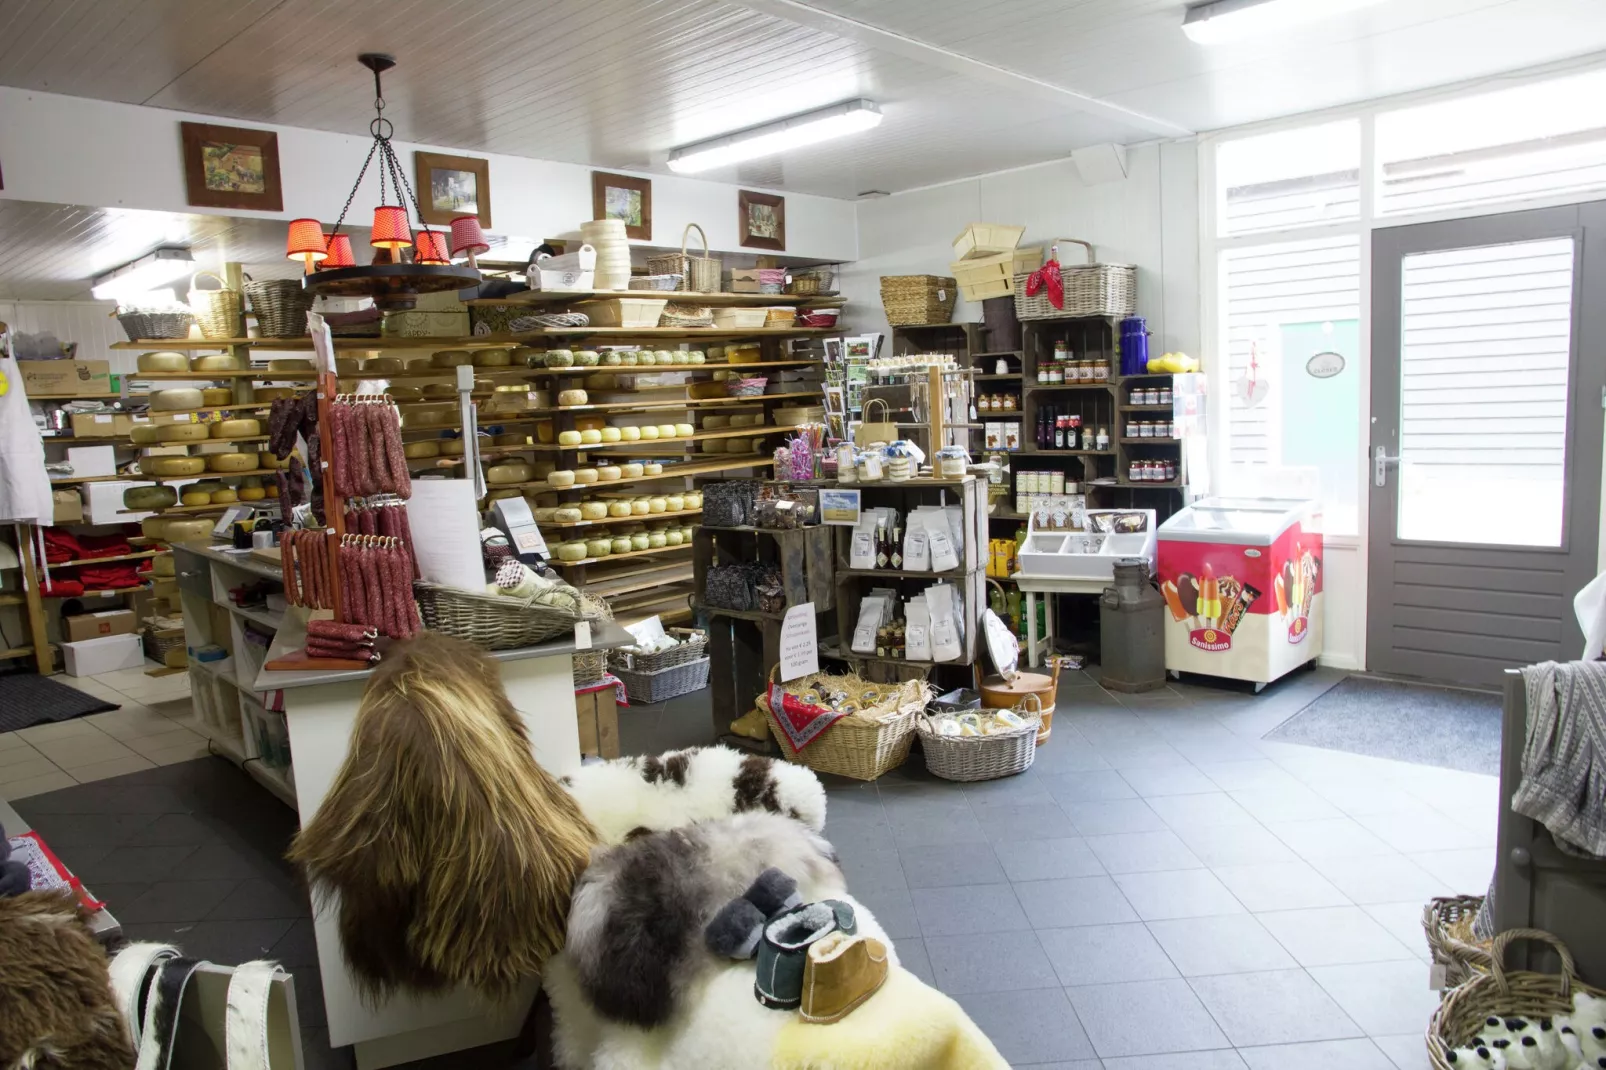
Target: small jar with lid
column 847, row 465
column 1008, row 403
column 1101, row 372
column 984, row 403
column 870, row 466
column 1163, row 396
column 952, row 461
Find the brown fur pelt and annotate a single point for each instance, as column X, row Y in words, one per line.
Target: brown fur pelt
column 56, row 1007
column 453, row 852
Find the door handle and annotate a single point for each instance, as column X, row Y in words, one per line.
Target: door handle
column 1381, row 463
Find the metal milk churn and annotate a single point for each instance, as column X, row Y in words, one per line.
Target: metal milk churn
column 1131, row 639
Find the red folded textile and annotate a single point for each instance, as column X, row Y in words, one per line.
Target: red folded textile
column 105, row 577
column 58, row 587
column 103, row 546
column 60, row 545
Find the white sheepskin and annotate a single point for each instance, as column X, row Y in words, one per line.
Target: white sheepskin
column 722, row 1027
column 617, row 798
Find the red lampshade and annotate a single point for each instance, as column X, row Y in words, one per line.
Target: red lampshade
column 467, row 236
column 390, row 228
column 340, row 254
column 429, row 247
column 306, row 241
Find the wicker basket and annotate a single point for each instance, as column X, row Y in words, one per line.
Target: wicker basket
column 686, row 316
column 281, row 306
column 914, row 300
column 140, row 325
column 647, row 687
column 968, row 758
column 217, row 312
column 699, row 273
column 863, row 745
column 1447, row 923
column 494, row 621
column 811, row 281
column 740, row 319
column 780, row 317
column 1091, row 289
column 589, row 666
column 1502, row 993
column 693, row 643
column 656, row 282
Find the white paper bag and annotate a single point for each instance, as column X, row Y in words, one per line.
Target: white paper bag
column 916, row 550
column 871, row 609
column 945, row 644
column 917, row 630
column 861, row 553
column 943, row 556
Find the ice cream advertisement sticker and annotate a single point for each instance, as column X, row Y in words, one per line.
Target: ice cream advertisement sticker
column 1299, row 629
column 1212, row 639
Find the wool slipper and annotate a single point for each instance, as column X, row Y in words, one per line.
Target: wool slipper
column 736, row 930
column 842, row 972
column 783, row 953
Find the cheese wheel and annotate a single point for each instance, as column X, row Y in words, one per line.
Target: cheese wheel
column 585, row 475
column 252, row 494
column 231, row 462
column 165, row 361
column 415, row 451
column 266, row 394
column 452, row 447
column 640, row 507
column 619, row 508
column 215, row 362
column 561, row 478
column 144, row 434
column 677, row 502
column 590, row 438
column 183, row 397
column 511, row 439
column 712, row 445
column 182, row 433
column 217, row 395
column 607, row 473
column 226, row 496
column 697, row 357
column 640, row 541
column 189, row 530
column 572, row 397
column 237, row 429
column 490, row 358
column 685, row 429
column 515, row 472
column 543, row 431
column 652, row 469
column 437, row 391
column 569, row 438
column 611, row 359
column 630, row 434
column 694, row 499
column 667, row 431
column 382, row 366
column 631, row 470
column 348, row 366
column 609, row 434
column 674, row 537
column 154, row 527
column 525, row 356
column 571, row 551
column 544, row 515
column 658, row 505
column 593, row 510
column 450, row 358
column 587, row 358
column 163, row 565
column 558, row 358
column 149, row 497
column 405, row 393
column 657, row 540
column 267, row 460
column 716, row 423
column 599, row 547
column 630, row 358
column 567, row 514
column 196, row 497
column 621, row 544
column 290, row 364
column 648, row 433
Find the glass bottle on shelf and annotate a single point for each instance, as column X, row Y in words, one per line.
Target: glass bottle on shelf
column 896, row 556
column 1103, row 439
column 881, row 555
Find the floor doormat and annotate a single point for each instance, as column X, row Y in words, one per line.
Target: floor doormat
column 27, row 700
column 1414, row 723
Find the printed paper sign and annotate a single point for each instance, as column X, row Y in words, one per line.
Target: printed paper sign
column 839, row 506
column 800, row 646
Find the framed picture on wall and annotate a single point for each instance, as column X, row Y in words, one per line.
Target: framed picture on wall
column 761, row 220
column 231, row 167
column 450, row 186
column 623, row 197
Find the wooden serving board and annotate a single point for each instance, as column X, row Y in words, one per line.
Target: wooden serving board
column 298, row 661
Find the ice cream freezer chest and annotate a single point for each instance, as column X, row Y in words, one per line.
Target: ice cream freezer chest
column 1242, row 579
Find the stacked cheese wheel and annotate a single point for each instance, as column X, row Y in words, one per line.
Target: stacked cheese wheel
column 592, row 509
column 634, row 538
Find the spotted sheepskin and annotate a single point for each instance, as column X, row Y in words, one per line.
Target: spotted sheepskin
column 628, row 796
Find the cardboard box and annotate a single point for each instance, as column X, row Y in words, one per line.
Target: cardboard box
column 102, row 425
column 69, row 507
column 92, row 460
column 744, row 281
column 598, row 717
column 94, row 625
column 88, row 657
column 104, row 503
column 65, row 378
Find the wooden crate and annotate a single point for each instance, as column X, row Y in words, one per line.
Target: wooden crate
column 598, row 717
column 984, row 277
column 986, row 239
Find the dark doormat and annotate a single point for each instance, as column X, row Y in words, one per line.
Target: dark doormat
column 1414, row 723
column 27, row 700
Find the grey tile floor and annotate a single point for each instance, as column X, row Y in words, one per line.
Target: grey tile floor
column 1163, row 889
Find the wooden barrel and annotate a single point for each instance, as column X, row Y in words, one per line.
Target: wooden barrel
column 1000, row 694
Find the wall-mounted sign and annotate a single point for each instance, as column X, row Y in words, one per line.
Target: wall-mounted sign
column 1324, row 365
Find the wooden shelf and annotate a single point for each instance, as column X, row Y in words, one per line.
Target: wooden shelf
column 1071, row 386
column 1145, row 483
column 633, row 518
column 208, row 474
column 483, row 341
column 956, row 574
column 1064, row 453
column 1145, row 408
column 102, row 593
column 14, row 600
column 105, row 560
column 646, row 581
column 1014, row 376
column 648, row 369
column 69, row 480
column 194, row 510
column 739, row 614
column 707, row 300
column 676, row 471
column 684, row 403
column 251, row 405
column 1149, row 441
column 71, row 397
column 254, row 374
column 621, row 557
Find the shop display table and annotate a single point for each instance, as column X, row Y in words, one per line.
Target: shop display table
column 1048, row 586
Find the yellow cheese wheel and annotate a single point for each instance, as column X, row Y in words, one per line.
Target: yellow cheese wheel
column 630, row 434
column 225, row 496
column 165, row 361
column 545, row 515
column 162, row 565
column 674, row 537
column 677, row 502
column 631, row 470
column 684, row 429
column 593, row 510
column 590, row 438
column 569, row 438
column 567, row 514
column 639, row 541
column 290, row 364
column 514, row 472
column 652, row 468
column 713, row 445
column 215, row 362
column 610, row 434
column 144, row 434
column 666, row 431
column 252, row 494
column 349, row 366
column 231, row 462
column 648, row 433
column 418, row 365
column 657, row 540
column 419, row 450
column 543, row 431
column 585, row 475
column 382, row 366
column 452, row 447
column 237, row 429
column 190, row 530
column 621, row 544
column 196, row 497
column 716, row 423
column 607, row 473
column 182, row 433
column 217, row 395
column 694, row 499
column 511, row 439
column 142, row 498
column 266, row 459
column 561, row 478
column 183, row 397
column 490, row 358
column 658, row 505
column 599, row 547
column 436, row 391
column 572, row 397
column 640, row 507
column 571, row 551
column 405, row 393
column 274, row 393
column 619, row 508
column 450, row 358
column 154, row 527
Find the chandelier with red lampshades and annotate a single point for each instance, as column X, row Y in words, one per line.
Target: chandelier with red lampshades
column 406, row 263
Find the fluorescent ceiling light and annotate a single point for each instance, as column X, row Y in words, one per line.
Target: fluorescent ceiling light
column 153, row 271
column 808, row 128
column 1216, row 21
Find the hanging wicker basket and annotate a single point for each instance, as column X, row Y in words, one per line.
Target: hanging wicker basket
column 281, row 306
column 217, row 312
column 699, row 273
column 1091, row 289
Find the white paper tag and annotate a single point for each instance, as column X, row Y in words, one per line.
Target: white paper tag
column 942, row 295
column 943, row 558
column 800, row 648
column 1436, row 976
column 582, row 635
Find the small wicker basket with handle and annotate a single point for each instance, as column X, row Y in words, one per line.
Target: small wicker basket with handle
column 217, row 312
column 699, row 273
column 1091, row 289
column 971, row 758
column 281, row 306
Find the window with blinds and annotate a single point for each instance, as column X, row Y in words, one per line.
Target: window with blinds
column 1485, row 344
column 1291, row 178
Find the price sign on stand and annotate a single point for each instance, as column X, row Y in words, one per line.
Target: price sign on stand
column 800, row 646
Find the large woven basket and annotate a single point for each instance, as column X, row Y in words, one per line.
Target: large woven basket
column 915, row 300
column 649, row 687
column 281, row 307
column 865, row 744
column 970, row 758
column 217, row 312
column 139, row 325
column 693, row 645
column 495, row 621
column 699, row 273
column 1091, row 289
column 1502, row 993
column 1457, row 955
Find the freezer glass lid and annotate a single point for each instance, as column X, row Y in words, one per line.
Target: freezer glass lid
column 1229, row 517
